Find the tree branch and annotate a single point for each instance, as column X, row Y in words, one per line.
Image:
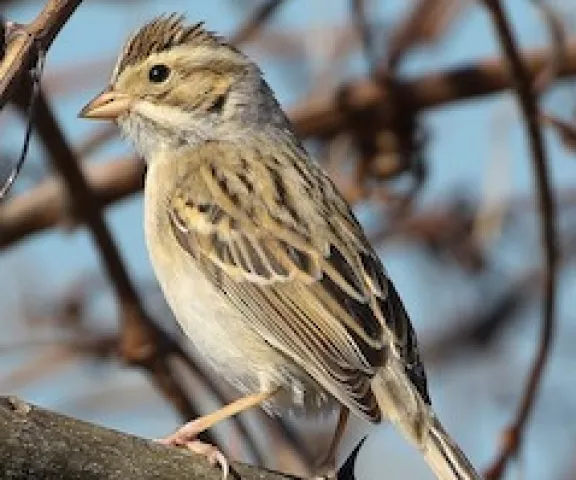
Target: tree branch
column 45, row 206
column 256, row 20
column 529, row 108
column 37, row 443
column 325, row 118
column 27, row 40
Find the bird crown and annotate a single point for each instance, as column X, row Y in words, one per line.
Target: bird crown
column 163, row 33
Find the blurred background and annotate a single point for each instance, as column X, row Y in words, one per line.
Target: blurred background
column 408, row 106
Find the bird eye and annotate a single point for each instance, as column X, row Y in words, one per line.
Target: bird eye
column 158, row 73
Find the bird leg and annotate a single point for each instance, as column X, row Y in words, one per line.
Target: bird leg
column 329, row 463
column 186, row 436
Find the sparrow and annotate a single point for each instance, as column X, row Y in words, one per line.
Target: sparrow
column 262, row 261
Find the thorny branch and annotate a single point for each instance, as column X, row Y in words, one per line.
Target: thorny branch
column 529, row 108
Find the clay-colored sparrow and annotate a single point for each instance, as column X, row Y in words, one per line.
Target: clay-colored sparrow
column 259, row 256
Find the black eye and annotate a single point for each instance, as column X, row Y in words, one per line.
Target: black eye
column 158, row 73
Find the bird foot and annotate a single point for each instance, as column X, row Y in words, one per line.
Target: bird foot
column 187, row 437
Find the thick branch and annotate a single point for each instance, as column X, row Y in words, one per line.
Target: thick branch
column 36, row 443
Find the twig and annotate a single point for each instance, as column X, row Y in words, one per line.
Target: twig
column 27, row 44
column 529, row 107
column 36, row 76
column 362, row 26
column 566, row 130
column 22, row 50
column 256, row 20
column 557, row 40
column 426, row 23
column 482, row 323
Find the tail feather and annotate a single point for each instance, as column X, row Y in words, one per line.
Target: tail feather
column 400, row 401
column 444, row 456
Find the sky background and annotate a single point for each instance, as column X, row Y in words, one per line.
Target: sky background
column 474, row 396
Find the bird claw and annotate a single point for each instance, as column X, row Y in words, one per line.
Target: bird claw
column 212, row 453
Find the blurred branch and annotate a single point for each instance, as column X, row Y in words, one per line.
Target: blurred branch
column 566, row 130
column 25, row 41
column 485, row 321
column 97, row 139
column 557, row 42
column 255, row 22
column 529, row 108
column 326, row 117
column 428, row 20
column 482, row 323
column 46, row 205
column 36, row 443
column 363, row 30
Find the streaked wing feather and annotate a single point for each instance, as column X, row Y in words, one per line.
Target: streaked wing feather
column 306, row 279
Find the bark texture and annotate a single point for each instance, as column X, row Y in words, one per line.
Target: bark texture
column 39, row 444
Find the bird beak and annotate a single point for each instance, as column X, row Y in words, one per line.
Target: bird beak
column 109, row 105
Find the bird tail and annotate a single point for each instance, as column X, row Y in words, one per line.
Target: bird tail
column 444, row 456
column 400, row 401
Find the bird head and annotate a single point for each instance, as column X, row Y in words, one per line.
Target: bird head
column 176, row 84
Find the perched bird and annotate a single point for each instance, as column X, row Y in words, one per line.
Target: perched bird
column 260, row 258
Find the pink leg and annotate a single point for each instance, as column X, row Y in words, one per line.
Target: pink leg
column 187, row 435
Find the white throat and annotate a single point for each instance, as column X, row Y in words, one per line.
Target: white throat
column 153, row 129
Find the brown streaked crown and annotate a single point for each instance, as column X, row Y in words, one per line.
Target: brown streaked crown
column 161, row 34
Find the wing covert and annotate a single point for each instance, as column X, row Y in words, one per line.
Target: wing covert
column 305, row 278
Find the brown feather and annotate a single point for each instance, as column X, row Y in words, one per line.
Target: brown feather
column 306, row 290
column 163, row 33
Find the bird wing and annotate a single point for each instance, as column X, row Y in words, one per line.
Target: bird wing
column 268, row 228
